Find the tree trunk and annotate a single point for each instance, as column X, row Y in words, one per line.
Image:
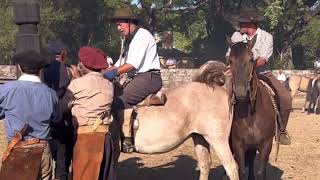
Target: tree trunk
column 286, row 58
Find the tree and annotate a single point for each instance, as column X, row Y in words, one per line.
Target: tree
column 7, row 32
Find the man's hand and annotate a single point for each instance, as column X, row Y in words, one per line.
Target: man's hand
column 111, row 74
column 75, row 72
column 260, row 62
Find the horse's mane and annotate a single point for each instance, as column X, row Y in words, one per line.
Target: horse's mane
column 211, row 73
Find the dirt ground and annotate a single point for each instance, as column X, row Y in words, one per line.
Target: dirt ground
column 299, row 161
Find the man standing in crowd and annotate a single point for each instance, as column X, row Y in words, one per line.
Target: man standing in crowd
column 56, row 77
column 262, row 51
column 90, row 97
column 139, row 60
column 28, row 107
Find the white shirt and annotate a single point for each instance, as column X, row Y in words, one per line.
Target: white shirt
column 281, row 77
column 29, row 77
column 263, row 46
column 316, row 64
column 142, row 52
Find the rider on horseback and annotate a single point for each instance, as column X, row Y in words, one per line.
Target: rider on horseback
column 140, row 62
column 262, row 51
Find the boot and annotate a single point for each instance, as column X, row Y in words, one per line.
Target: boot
column 284, row 137
column 158, row 99
column 125, row 118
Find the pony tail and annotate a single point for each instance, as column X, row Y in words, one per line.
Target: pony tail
column 211, row 73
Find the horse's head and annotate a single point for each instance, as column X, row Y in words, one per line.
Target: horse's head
column 242, row 68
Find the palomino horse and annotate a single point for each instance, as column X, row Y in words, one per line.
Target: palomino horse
column 194, row 110
column 254, row 117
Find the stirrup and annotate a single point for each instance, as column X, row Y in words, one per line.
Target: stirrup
column 127, row 145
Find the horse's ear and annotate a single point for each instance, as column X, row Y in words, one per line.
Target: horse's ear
column 229, row 41
column 252, row 42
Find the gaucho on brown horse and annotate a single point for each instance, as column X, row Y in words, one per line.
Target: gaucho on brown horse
column 254, row 116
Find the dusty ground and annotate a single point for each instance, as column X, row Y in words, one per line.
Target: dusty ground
column 299, row 161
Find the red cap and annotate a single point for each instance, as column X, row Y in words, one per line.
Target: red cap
column 93, row 58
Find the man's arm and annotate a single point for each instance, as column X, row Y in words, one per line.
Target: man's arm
column 125, row 68
column 265, row 51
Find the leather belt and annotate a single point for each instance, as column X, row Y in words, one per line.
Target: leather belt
column 90, row 129
column 31, row 141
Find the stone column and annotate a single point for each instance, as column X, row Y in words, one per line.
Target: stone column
column 27, row 17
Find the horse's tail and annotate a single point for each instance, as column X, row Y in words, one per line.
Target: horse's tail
column 211, row 73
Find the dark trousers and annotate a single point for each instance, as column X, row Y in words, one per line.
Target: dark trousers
column 282, row 95
column 138, row 89
column 61, row 146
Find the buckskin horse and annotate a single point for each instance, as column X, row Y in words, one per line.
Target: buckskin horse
column 197, row 110
column 254, row 113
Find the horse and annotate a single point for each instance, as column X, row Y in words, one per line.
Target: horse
column 303, row 84
column 254, row 113
column 314, row 96
column 198, row 110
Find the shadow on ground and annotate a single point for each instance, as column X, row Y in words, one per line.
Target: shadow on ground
column 182, row 168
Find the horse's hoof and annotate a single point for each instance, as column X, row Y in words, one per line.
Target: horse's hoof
column 284, row 138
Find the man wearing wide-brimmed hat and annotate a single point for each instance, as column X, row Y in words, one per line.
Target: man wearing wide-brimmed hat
column 28, row 106
column 248, row 20
column 89, row 97
column 139, row 60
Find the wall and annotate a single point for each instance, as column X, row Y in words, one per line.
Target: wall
column 171, row 77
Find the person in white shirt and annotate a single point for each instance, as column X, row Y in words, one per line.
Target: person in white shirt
column 262, row 51
column 139, row 60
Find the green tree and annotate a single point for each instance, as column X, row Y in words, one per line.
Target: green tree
column 7, row 32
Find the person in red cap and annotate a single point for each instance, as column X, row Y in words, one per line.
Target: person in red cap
column 90, row 97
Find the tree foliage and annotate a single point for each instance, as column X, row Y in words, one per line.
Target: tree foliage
column 199, row 26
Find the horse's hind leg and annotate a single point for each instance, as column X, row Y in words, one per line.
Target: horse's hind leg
column 264, row 152
column 222, row 149
column 202, row 148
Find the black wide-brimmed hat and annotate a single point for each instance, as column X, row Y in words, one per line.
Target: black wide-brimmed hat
column 31, row 59
column 249, row 15
column 124, row 12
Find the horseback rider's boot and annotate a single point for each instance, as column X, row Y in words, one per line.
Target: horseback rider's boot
column 125, row 117
column 284, row 137
column 158, row 99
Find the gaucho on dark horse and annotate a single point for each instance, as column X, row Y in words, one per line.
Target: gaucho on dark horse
column 255, row 113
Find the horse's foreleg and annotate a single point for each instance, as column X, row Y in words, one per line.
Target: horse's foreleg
column 264, row 152
column 316, row 104
column 250, row 156
column 239, row 153
column 222, row 149
column 202, row 148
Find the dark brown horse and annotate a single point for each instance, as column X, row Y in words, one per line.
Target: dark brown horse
column 254, row 114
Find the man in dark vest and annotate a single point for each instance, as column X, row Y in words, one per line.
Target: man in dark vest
column 262, row 51
column 56, row 77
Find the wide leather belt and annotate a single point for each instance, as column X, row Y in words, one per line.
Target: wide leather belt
column 91, row 129
column 32, row 141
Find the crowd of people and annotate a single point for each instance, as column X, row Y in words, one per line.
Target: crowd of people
column 49, row 115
